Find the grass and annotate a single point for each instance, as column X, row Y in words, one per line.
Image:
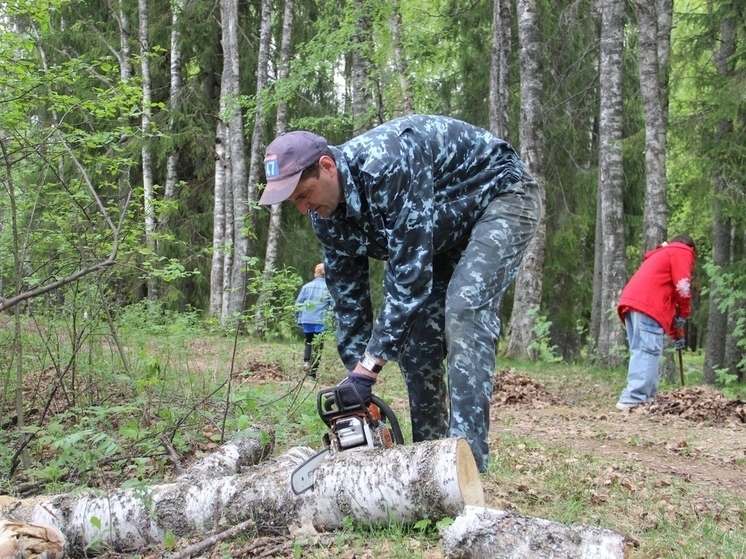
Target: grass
column 180, row 382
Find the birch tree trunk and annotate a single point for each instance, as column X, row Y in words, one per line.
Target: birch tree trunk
column 174, row 103
column 653, row 38
column 611, row 183
column 717, row 319
column 219, row 229
column 239, row 180
column 257, row 135
column 230, row 243
column 528, row 283
column 500, row 70
column 147, row 153
column 432, row 479
column 257, row 150
column 275, row 216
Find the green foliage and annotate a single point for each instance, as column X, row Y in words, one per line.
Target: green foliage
column 278, row 313
column 540, row 348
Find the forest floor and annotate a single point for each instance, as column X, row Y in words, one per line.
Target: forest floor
column 690, row 444
column 669, row 475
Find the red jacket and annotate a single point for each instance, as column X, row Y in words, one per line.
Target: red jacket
column 661, row 287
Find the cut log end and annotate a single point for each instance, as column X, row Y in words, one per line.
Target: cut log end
column 469, row 483
column 26, row 540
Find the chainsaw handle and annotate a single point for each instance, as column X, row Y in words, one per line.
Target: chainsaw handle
column 331, row 405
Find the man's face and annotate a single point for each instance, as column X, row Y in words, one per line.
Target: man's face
column 321, row 195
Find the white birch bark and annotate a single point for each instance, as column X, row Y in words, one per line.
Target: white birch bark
column 238, row 220
column 218, row 225
column 433, row 479
column 528, row 284
column 146, row 151
column 246, row 448
column 281, row 120
column 483, row 533
column 257, row 135
column 174, row 102
column 611, row 183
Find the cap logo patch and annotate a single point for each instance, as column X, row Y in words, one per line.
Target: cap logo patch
column 271, row 168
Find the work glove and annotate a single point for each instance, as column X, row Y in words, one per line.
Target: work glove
column 679, row 322
column 679, row 344
column 362, row 383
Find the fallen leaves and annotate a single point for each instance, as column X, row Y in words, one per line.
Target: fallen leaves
column 698, row 403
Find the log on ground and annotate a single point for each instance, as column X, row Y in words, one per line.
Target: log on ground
column 246, row 448
column 483, row 533
column 431, row 480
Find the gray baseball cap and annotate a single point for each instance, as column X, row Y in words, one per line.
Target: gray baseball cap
column 284, row 161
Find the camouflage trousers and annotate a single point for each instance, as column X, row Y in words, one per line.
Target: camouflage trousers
column 459, row 324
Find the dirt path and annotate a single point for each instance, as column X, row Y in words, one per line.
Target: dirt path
column 691, row 433
column 677, row 448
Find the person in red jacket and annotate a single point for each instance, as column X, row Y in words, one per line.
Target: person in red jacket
column 655, row 301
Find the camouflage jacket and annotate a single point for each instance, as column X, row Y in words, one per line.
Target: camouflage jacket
column 413, row 188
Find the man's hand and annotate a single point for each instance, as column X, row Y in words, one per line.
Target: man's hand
column 362, row 383
column 679, row 344
column 679, row 322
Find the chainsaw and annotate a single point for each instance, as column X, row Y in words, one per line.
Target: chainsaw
column 352, row 426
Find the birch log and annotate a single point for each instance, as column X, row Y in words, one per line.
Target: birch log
column 431, row 480
column 483, row 533
column 246, row 448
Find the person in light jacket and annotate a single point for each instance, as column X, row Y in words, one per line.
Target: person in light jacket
column 655, row 301
column 313, row 303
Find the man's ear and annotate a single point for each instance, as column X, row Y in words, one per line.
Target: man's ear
column 327, row 163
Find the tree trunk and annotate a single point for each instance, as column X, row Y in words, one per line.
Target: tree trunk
column 482, row 533
column 257, row 155
column 400, row 60
column 232, row 177
column 717, row 319
column 611, row 183
column 281, row 121
column 362, row 98
column 528, row 285
column 219, row 229
column 234, row 294
column 655, row 222
column 432, row 479
column 594, row 330
column 147, row 150
column 174, row 103
column 256, row 160
column 500, row 70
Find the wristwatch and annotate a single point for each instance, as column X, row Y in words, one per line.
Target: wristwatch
column 369, row 363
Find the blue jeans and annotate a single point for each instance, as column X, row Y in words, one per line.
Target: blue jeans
column 645, row 337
